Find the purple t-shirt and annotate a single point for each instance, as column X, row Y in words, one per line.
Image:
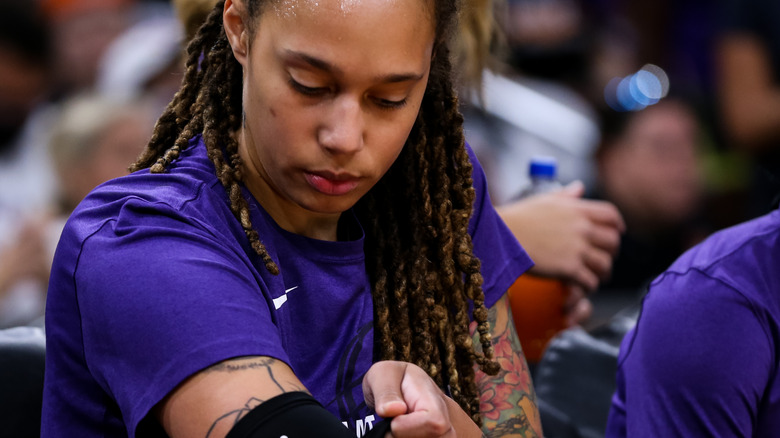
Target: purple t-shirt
column 704, row 358
column 154, row 280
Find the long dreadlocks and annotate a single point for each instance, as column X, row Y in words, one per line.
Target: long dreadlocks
column 421, row 262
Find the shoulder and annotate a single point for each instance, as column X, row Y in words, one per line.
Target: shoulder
column 143, row 217
column 731, row 275
column 710, row 310
column 742, row 259
column 698, row 362
column 188, row 191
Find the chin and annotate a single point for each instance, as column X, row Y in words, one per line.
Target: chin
column 332, row 206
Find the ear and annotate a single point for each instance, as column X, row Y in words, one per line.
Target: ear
column 234, row 18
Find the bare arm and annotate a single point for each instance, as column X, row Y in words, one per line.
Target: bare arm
column 211, row 402
column 508, row 402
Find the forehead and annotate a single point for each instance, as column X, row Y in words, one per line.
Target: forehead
column 415, row 9
column 354, row 35
column 345, row 7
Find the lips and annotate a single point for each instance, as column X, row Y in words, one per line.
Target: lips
column 332, row 183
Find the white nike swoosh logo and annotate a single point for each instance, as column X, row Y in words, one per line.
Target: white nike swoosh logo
column 283, row 299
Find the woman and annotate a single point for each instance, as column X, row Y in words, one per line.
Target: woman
column 300, row 223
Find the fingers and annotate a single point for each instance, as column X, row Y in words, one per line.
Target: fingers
column 405, row 393
column 595, row 265
column 605, row 238
column 382, row 388
column 422, row 424
column 586, row 277
column 604, row 213
column 599, row 262
column 603, row 242
column 427, row 415
column 575, row 189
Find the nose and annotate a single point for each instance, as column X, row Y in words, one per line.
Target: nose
column 343, row 128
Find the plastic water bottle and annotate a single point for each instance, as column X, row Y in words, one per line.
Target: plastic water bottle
column 543, row 172
column 537, row 302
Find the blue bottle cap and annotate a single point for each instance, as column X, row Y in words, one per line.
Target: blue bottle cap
column 543, row 166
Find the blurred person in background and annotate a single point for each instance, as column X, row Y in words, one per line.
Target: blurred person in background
column 144, row 60
column 82, row 31
column 650, row 165
column 94, row 139
column 747, row 54
column 26, row 180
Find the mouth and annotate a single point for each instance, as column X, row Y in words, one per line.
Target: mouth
column 333, row 184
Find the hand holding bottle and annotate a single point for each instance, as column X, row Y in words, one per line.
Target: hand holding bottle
column 572, row 241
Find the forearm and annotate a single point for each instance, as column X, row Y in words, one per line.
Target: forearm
column 508, row 402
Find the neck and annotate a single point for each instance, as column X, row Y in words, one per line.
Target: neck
column 293, row 218
column 286, row 213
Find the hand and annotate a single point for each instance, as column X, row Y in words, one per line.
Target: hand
column 418, row 408
column 569, row 238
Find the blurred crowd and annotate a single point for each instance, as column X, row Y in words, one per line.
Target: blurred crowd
column 666, row 109
column 81, row 84
column 669, row 110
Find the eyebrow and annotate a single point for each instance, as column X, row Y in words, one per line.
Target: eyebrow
column 330, row 68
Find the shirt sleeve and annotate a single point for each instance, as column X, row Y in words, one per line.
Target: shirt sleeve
column 696, row 364
column 170, row 300
column 501, row 256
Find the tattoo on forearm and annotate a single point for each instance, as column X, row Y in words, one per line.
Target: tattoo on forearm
column 508, row 402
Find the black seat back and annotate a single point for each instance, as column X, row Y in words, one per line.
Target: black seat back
column 22, row 353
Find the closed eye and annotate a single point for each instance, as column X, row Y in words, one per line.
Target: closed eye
column 307, row 91
column 390, row 104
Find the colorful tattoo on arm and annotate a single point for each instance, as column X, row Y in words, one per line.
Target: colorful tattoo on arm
column 508, row 402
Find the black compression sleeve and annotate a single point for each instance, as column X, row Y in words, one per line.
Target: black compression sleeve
column 295, row 415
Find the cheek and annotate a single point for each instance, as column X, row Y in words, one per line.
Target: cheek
column 268, row 110
column 393, row 137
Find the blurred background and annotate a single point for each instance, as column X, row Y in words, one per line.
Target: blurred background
column 668, row 109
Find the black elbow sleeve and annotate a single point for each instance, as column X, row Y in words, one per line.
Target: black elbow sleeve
column 296, row 415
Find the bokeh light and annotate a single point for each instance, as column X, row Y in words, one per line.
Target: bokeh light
column 638, row 90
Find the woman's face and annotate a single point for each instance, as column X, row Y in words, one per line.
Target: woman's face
column 331, row 91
